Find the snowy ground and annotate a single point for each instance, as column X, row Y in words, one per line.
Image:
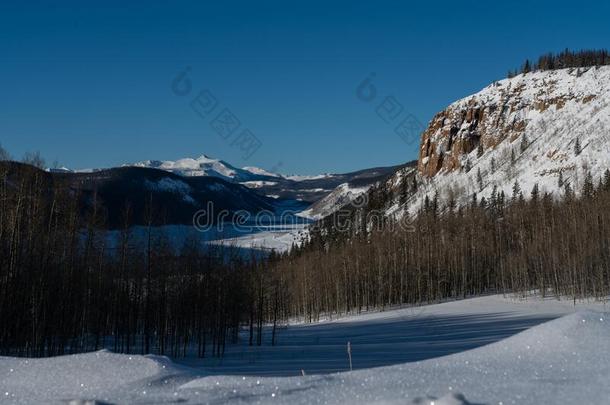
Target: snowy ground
column 489, row 350
column 279, row 239
column 250, row 237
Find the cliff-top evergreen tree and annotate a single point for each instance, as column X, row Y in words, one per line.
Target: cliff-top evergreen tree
column 566, row 59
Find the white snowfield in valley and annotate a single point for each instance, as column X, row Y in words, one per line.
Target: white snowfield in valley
column 487, row 350
column 277, row 239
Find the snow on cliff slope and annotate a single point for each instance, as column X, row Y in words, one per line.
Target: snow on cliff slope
column 527, row 128
column 340, row 197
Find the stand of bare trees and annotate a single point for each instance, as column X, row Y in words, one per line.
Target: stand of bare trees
column 66, row 288
column 557, row 246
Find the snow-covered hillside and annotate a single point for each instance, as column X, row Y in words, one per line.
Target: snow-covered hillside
column 530, row 129
column 340, row 197
column 463, row 352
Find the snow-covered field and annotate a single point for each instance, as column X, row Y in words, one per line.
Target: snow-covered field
column 247, row 237
column 277, row 239
column 488, row 350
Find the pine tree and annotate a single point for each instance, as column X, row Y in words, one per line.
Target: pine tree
column 513, row 159
column 404, row 190
column 480, row 179
column 607, row 180
column 474, row 201
column 588, row 188
column 516, row 189
column 502, row 199
column 577, row 147
column 560, row 180
column 494, row 194
column 493, row 165
column 427, row 205
column 493, row 200
column 568, row 192
column 535, row 193
column 480, row 150
column 435, row 205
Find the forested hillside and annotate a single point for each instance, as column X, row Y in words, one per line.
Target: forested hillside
column 508, row 243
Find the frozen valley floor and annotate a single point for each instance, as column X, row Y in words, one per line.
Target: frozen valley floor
column 487, row 350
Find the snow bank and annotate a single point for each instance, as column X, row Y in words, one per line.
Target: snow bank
column 103, row 376
column 564, row 361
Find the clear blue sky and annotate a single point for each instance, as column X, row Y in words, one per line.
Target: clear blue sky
column 89, row 83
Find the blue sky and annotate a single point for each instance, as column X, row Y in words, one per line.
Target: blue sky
column 90, row 83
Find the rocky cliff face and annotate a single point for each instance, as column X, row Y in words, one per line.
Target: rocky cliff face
column 546, row 129
column 505, row 110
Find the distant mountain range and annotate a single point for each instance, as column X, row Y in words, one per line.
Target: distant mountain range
column 174, row 199
column 309, row 189
column 178, row 189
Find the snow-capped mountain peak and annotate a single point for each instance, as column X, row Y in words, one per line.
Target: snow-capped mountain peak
column 260, row 172
column 205, row 166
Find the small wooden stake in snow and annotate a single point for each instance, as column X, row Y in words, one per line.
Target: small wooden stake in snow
column 349, row 355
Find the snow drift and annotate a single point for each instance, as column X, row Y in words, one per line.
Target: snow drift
column 563, row 361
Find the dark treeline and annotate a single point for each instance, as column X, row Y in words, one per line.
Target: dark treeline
column 504, row 244
column 64, row 288
column 565, row 59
